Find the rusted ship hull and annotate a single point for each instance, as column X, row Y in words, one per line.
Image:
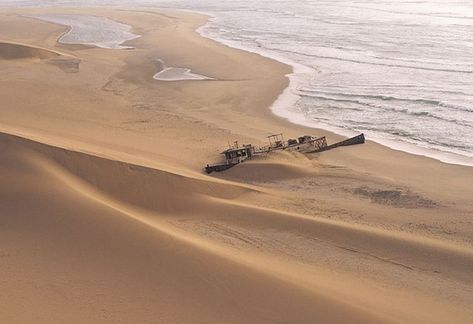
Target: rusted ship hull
column 359, row 139
column 219, row 167
column 305, row 144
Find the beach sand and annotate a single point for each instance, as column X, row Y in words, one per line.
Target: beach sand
column 106, row 214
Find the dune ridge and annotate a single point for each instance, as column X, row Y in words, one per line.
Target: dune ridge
column 107, row 215
column 98, row 181
column 36, row 162
column 16, row 51
column 21, row 53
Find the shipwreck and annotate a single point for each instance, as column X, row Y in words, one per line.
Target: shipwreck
column 306, row 144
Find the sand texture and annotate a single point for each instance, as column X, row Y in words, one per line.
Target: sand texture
column 106, row 215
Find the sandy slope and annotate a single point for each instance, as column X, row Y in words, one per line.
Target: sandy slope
column 104, row 240
column 115, row 221
column 68, row 247
column 12, row 51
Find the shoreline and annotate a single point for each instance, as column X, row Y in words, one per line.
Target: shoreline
column 284, row 105
column 288, row 98
column 110, row 163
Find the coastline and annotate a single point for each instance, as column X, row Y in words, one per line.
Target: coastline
column 396, row 165
column 364, row 160
column 284, row 105
column 362, row 233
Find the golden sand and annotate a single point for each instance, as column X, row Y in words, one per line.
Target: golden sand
column 106, row 215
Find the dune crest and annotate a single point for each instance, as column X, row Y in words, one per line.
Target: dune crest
column 22, row 52
column 14, row 51
column 106, row 214
column 160, row 206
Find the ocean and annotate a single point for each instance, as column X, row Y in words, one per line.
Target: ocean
column 399, row 71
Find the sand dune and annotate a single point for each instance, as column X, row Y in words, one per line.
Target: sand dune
column 113, row 267
column 110, row 231
column 12, row 51
column 23, row 53
column 107, row 216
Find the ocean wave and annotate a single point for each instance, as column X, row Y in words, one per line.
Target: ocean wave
column 431, row 102
column 392, row 110
column 424, row 68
